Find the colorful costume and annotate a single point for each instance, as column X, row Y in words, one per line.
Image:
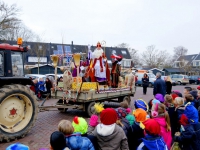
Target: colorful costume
column 115, row 72
column 98, row 64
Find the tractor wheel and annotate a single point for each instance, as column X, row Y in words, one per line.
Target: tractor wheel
column 90, row 109
column 18, row 109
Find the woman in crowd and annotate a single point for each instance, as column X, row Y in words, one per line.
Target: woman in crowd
column 168, row 82
column 145, row 83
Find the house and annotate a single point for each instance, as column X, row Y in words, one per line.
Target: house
column 45, row 69
column 154, row 70
column 169, row 71
column 187, row 60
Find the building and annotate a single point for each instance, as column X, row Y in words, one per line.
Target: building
column 40, row 52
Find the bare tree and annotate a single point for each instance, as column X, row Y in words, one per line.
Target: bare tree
column 39, row 50
column 179, row 51
column 155, row 58
column 8, row 17
column 133, row 52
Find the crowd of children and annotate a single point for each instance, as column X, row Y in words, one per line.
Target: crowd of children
column 164, row 123
column 157, row 125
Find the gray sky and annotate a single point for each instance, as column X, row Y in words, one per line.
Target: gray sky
column 140, row 23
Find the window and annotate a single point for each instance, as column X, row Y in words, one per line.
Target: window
column 197, row 63
column 126, row 63
column 114, row 52
column 1, row 64
column 124, row 53
column 17, row 64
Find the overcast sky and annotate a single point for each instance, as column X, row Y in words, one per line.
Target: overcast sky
column 140, row 23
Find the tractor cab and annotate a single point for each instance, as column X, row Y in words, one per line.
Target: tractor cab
column 12, row 65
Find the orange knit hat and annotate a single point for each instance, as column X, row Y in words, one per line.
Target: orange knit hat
column 140, row 115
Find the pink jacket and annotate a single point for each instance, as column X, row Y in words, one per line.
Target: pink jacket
column 164, row 133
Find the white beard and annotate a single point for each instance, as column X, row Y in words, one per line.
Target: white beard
column 97, row 53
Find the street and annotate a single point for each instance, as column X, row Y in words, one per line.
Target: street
column 47, row 121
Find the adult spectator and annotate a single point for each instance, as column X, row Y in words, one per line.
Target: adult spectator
column 145, row 83
column 159, row 85
column 168, row 82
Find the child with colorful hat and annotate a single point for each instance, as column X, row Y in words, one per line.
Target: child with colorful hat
column 109, row 135
column 74, row 140
column 152, row 139
column 81, row 126
column 129, row 116
column 160, row 114
column 189, row 137
column 137, row 129
column 122, row 121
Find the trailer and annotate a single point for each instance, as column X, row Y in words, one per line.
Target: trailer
column 85, row 99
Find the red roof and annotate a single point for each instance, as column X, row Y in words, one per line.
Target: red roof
column 11, row 47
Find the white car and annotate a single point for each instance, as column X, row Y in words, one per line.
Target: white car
column 35, row 76
column 53, row 75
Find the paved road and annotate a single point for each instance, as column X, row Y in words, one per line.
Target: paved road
column 47, row 121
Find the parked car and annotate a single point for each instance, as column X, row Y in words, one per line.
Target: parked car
column 180, row 79
column 173, row 82
column 53, row 75
column 194, row 79
column 35, row 76
column 152, row 78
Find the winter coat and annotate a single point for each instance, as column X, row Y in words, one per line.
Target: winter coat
column 126, row 125
column 190, row 137
column 164, row 133
column 178, row 112
column 152, row 143
column 145, row 82
column 159, row 87
column 41, row 85
column 48, row 86
column 135, row 136
column 173, row 118
column 109, row 137
column 36, row 88
column 168, row 87
column 76, row 142
column 92, row 138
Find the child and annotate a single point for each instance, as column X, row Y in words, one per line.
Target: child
column 187, row 90
column 160, row 114
column 122, row 121
column 152, row 139
column 129, row 116
column 137, row 129
column 17, row 146
column 189, row 137
column 57, row 141
column 41, row 84
column 74, row 140
column 109, row 135
column 81, row 126
column 190, row 98
column 171, row 111
column 140, row 103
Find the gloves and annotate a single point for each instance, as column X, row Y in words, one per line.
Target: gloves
column 93, row 121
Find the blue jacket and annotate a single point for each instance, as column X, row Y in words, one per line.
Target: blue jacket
column 77, row 142
column 190, row 137
column 152, row 143
column 41, row 85
column 36, row 88
column 159, row 87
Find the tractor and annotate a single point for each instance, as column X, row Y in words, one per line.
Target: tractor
column 18, row 103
